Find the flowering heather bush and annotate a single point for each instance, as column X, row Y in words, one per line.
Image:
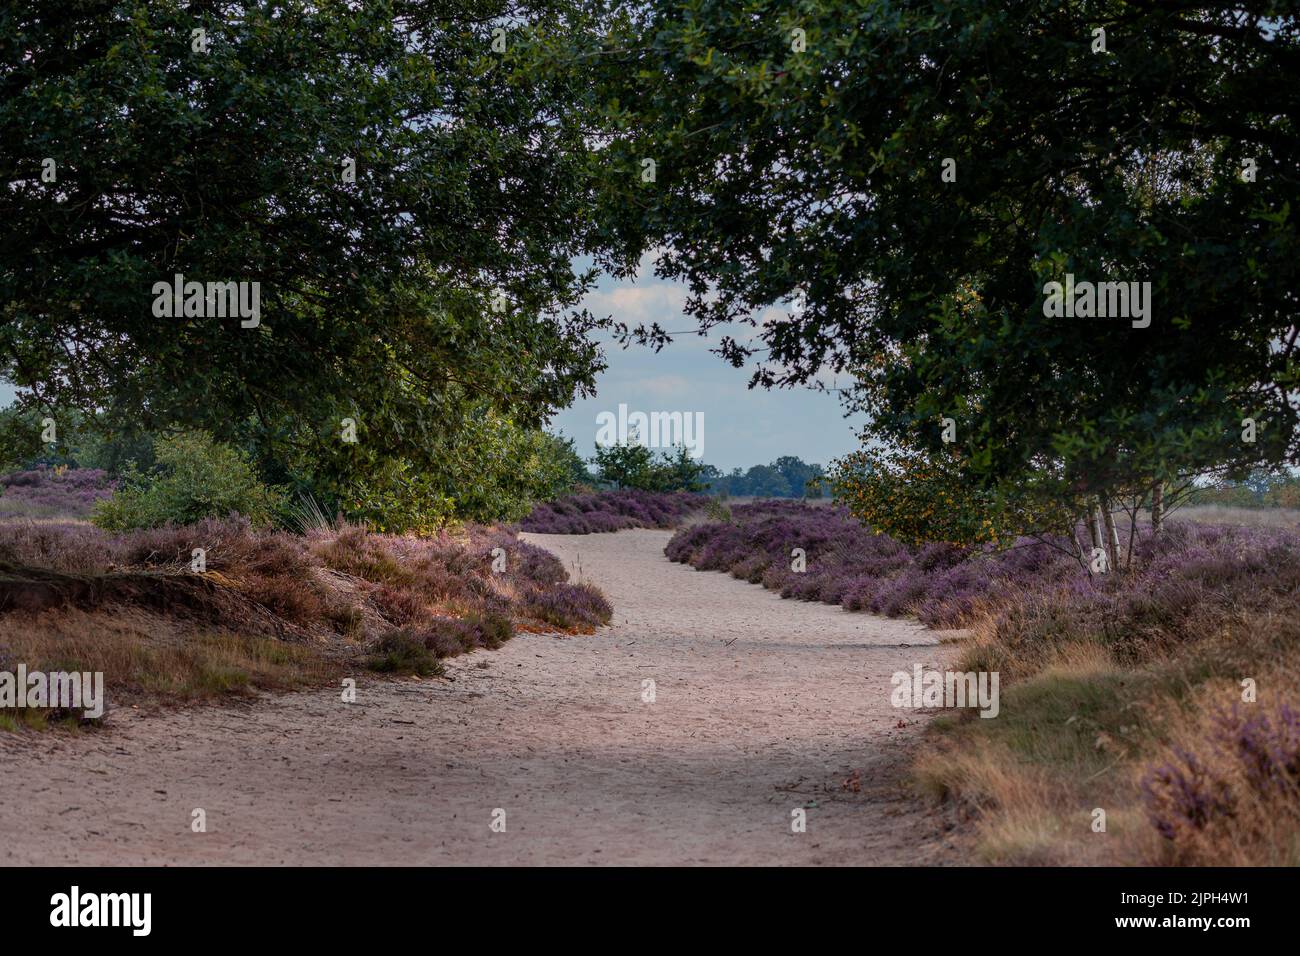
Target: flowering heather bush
column 612, row 511
column 1038, row 596
column 565, row 603
column 1184, row 795
column 1185, row 585
column 1247, row 776
column 1268, row 751
column 61, row 546
column 440, row 591
column 849, row 565
column 53, row 492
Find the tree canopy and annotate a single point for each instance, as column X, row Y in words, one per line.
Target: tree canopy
column 386, row 173
column 884, row 191
column 902, row 181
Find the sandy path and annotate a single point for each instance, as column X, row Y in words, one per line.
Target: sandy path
column 762, row 705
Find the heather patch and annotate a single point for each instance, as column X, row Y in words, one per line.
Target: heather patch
column 53, row 492
column 1117, row 688
column 1239, row 787
column 1164, row 729
column 612, row 511
column 825, row 554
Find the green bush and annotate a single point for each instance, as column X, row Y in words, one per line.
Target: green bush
column 399, row 652
column 562, row 467
column 486, row 469
column 631, row 465
column 195, row 478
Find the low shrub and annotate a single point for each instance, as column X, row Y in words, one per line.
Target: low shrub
column 364, row 555
column 455, row 593
column 570, row 606
column 403, row 653
column 846, row 563
column 397, row 605
column 65, row 546
column 1235, row 797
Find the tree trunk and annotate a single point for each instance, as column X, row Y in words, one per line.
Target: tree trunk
column 1084, row 555
column 1157, row 507
column 1112, row 535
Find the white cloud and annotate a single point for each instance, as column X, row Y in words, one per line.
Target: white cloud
column 634, row 304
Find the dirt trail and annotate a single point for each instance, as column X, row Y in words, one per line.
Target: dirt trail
column 761, row 706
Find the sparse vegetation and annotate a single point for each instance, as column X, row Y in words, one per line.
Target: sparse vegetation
column 150, row 657
column 402, row 653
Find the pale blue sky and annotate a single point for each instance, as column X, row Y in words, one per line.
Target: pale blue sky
column 741, row 427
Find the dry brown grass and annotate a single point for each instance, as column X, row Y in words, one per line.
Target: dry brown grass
column 1262, row 828
column 1028, row 784
column 150, row 659
column 1082, row 729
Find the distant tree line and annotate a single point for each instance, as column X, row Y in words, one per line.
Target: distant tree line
column 632, row 465
column 1262, row 489
column 787, row 477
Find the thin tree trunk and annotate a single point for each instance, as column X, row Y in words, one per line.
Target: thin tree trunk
column 1157, row 507
column 1096, row 534
column 1112, row 535
column 1084, row 556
